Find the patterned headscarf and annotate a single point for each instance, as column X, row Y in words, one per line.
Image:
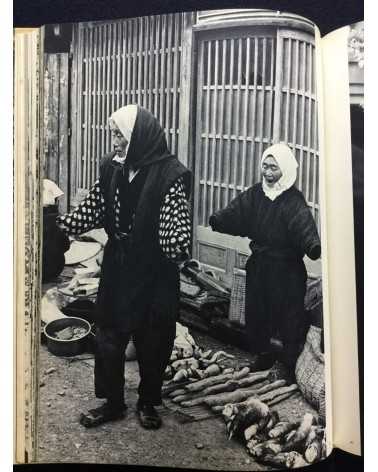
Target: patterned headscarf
column 288, row 166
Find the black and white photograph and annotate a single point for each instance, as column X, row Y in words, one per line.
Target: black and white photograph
column 182, row 281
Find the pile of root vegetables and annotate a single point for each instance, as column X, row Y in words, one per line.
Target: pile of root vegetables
column 274, row 442
column 198, row 377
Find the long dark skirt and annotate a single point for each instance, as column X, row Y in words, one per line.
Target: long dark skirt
column 275, row 291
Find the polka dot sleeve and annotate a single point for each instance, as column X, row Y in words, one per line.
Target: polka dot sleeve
column 88, row 215
column 174, row 225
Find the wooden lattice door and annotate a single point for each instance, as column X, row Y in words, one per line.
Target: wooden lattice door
column 252, row 90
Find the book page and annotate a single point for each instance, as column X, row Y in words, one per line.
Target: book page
column 27, row 240
column 222, row 86
column 340, row 240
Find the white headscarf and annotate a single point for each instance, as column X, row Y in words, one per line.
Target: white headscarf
column 50, row 192
column 125, row 118
column 288, row 166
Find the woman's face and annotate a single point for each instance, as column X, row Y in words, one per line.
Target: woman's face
column 270, row 171
column 119, row 141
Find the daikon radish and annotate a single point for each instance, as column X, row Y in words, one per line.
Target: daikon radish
column 202, row 384
column 229, row 386
column 175, row 393
column 253, row 378
column 282, row 397
column 241, row 373
column 277, row 391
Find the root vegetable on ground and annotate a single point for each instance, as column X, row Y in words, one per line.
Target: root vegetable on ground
column 313, row 452
column 272, row 446
column 247, row 414
column 253, row 378
column 297, row 441
column 202, row 384
column 282, row 428
column 282, row 397
column 295, row 460
column 237, row 396
column 212, row 370
column 277, row 392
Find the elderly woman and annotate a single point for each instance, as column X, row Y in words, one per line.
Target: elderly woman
column 275, row 216
column 141, row 201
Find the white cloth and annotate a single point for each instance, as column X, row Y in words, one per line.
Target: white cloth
column 288, row 166
column 125, row 119
column 50, row 192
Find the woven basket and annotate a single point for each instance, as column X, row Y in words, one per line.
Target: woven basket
column 237, row 301
column 309, row 371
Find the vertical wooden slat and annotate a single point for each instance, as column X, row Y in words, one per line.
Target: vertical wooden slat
column 114, row 66
column 272, row 79
column 74, row 124
column 119, row 45
column 134, row 25
column 256, row 160
column 296, row 85
column 124, row 64
column 162, row 70
column 221, row 157
column 140, row 60
column 85, row 131
column 186, row 113
column 63, row 131
column 288, row 93
column 94, row 156
column 107, row 85
column 278, row 88
column 169, row 82
column 306, row 189
column 79, row 155
column 245, row 117
column 103, row 84
column 303, row 71
column 214, row 132
column 200, row 104
column 175, row 83
column 207, row 88
column 232, row 58
column 129, row 81
column 145, row 62
column 234, row 171
column 157, row 67
column 90, row 97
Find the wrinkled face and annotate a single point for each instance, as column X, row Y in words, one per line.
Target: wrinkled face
column 270, row 171
column 119, row 141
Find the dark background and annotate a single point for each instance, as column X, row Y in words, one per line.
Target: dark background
column 328, row 15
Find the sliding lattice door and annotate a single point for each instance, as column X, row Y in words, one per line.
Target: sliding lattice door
column 253, row 90
column 130, row 61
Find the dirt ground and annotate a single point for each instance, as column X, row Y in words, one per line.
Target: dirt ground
column 66, row 389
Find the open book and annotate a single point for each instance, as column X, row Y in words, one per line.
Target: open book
column 225, row 85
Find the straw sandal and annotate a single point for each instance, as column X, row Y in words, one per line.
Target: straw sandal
column 101, row 415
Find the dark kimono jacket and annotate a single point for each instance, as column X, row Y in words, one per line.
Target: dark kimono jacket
column 282, row 231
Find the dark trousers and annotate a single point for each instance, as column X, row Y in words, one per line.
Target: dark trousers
column 153, row 342
column 275, row 290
